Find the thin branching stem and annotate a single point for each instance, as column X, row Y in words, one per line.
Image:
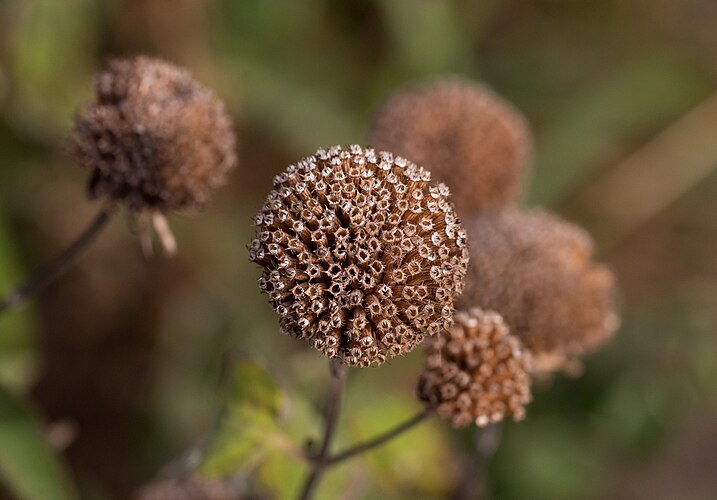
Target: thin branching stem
column 318, row 462
column 381, row 439
column 56, row 267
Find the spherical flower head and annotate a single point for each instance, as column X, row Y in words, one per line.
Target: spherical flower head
column 468, row 136
column 537, row 271
column 362, row 254
column 154, row 137
column 476, row 371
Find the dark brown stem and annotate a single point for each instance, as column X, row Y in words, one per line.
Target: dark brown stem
column 474, row 480
column 318, row 462
column 380, row 440
column 53, row 269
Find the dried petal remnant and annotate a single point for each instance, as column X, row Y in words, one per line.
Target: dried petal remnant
column 362, row 255
column 154, row 137
column 536, row 270
column 468, row 136
column 476, row 371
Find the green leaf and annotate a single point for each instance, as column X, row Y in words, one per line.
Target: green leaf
column 284, row 474
column 257, row 434
column 408, row 462
column 16, row 343
column 251, row 386
column 28, row 464
column 248, row 427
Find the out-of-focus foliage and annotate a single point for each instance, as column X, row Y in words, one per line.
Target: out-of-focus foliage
column 16, row 343
column 50, row 40
column 140, row 346
column 248, row 428
column 27, row 462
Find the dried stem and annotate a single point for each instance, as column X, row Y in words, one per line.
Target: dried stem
column 474, row 481
column 333, row 409
column 381, row 439
column 55, row 268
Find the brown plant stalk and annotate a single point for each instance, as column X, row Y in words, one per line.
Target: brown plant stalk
column 60, row 264
column 320, row 462
column 333, row 409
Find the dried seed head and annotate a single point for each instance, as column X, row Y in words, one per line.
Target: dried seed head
column 154, row 137
column 476, row 371
column 536, row 270
column 468, row 136
column 362, row 255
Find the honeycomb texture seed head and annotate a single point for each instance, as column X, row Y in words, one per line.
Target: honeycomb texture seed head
column 476, row 371
column 362, row 254
column 154, row 138
column 468, row 136
column 537, row 271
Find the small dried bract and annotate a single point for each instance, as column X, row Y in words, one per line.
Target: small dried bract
column 362, row 255
column 154, row 138
column 468, row 136
column 537, row 271
column 476, row 371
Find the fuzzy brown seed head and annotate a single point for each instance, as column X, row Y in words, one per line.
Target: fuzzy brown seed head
column 536, row 270
column 154, row 138
column 362, row 255
column 191, row 488
column 476, row 371
column 469, row 137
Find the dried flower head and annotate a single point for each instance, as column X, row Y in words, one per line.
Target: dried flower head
column 154, row 137
column 468, row 136
column 476, row 371
column 362, row 255
column 536, row 270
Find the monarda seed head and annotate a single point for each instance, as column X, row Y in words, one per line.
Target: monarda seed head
column 154, row 137
column 469, row 137
column 476, row 371
column 536, row 270
column 362, row 254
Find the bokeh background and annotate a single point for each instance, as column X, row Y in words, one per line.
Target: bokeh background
column 124, row 364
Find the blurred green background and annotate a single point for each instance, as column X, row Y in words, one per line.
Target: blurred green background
column 125, row 363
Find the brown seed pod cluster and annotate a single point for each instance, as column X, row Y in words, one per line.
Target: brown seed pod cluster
column 465, row 134
column 362, row 254
column 537, row 271
column 154, row 138
column 476, row 371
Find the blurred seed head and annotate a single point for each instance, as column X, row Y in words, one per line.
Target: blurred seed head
column 190, row 488
column 476, row 371
column 154, row 137
column 362, row 254
column 537, row 271
column 469, row 137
